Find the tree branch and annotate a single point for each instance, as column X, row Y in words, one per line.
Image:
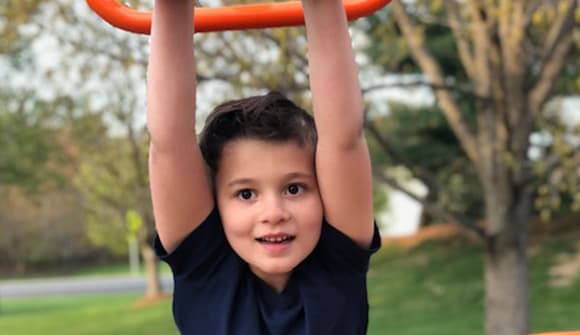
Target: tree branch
column 465, row 225
column 532, row 6
column 552, row 163
column 298, row 55
column 463, row 45
column 558, row 46
column 482, row 44
column 512, row 33
column 419, row 172
column 435, row 74
column 431, row 20
column 562, row 25
column 447, row 87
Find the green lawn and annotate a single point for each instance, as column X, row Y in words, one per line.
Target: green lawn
column 86, row 315
column 435, row 289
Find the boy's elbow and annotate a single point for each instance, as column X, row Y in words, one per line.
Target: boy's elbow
column 170, row 137
column 345, row 138
column 157, row 140
column 344, row 145
column 169, row 144
column 353, row 141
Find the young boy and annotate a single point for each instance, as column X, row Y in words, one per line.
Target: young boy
column 277, row 237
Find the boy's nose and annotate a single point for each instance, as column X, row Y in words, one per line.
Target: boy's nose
column 274, row 211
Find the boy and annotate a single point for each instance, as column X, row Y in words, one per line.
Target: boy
column 277, row 238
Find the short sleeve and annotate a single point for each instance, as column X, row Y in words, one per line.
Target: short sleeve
column 339, row 252
column 200, row 251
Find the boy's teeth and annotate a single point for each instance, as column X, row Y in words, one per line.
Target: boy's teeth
column 275, row 239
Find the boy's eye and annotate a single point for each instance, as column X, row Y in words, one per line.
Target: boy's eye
column 294, row 189
column 245, row 194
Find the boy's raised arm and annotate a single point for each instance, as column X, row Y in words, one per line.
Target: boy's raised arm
column 342, row 158
column 180, row 188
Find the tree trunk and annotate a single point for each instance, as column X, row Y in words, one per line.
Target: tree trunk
column 151, row 264
column 506, row 288
column 506, row 271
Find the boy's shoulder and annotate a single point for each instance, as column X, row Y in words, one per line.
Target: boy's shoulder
column 340, row 253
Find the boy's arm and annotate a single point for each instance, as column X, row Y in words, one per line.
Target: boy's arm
column 342, row 158
column 180, row 188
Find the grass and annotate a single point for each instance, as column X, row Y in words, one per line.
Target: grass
column 437, row 289
column 84, row 315
column 434, row 289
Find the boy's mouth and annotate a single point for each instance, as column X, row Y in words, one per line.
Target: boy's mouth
column 276, row 239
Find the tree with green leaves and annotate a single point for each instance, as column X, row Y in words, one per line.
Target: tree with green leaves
column 102, row 122
column 492, row 65
column 558, row 191
column 37, row 164
column 113, row 181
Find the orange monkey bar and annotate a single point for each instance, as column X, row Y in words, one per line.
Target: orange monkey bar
column 237, row 17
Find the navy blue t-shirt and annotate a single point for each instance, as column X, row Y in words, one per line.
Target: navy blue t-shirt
column 216, row 293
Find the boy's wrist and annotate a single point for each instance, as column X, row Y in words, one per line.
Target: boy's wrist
column 175, row 3
column 321, row 2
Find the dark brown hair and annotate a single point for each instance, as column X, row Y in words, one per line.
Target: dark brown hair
column 270, row 117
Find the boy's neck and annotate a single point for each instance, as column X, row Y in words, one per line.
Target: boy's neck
column 276, row 281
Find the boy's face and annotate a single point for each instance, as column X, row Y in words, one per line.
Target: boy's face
column 269, row 203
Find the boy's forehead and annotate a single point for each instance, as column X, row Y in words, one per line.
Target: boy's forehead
column 255, row 157
column 250, row 145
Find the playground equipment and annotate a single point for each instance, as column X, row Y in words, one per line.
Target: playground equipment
column 238, row 17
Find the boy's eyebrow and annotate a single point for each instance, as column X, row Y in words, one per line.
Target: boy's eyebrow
column 299, row 175
column 292, row 175
column 239, row 181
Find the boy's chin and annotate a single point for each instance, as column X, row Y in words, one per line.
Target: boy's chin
column 274, row 270
column 277, row 269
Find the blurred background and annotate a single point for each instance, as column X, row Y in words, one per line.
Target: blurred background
column 473, row 120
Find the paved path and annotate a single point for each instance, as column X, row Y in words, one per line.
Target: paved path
column 63, row 286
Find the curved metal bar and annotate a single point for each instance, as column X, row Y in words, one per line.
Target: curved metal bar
column 238, row 17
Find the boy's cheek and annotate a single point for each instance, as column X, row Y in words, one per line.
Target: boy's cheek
column 229, row 208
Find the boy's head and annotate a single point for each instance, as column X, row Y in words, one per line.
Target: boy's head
column 271, row 117
column 260, row 152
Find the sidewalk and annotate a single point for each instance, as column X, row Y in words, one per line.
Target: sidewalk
column 66, row 286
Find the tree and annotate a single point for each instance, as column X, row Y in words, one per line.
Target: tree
column 559, row 186
column 36, row 166
column 510, row 63
column 103, row 69
column 27, row 144
column 113, row 179
column 419, row 140
column 104, row 73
